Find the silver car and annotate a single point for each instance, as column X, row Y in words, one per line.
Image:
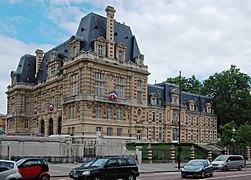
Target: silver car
column 226, row 162
column 9, row 170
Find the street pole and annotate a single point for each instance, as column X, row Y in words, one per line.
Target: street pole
column 179, row 148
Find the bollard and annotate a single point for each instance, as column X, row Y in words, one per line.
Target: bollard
column 247, row 153
column 209, row 155
column 192, row 152
column 173, row 154
column 149, row 153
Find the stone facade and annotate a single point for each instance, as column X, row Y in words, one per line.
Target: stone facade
column 95, row 85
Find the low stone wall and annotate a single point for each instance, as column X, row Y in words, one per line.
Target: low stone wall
column 60, row 147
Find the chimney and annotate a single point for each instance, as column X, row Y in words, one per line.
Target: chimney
column 39, row 57
column 110, row 31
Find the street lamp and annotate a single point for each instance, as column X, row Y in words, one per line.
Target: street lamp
column 179, row 147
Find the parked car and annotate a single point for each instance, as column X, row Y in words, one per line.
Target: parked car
column 86, row 164
column 107, row 168
column 226, row 162
column 33, row 169
column 197, row 168
column 9, row 170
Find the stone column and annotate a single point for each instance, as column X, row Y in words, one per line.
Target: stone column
column 192, row 152
column 173, row 154
column 247, row 152
column 149, row 153
column 209, row 155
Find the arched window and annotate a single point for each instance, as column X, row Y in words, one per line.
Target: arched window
column 50, row 126
column 42, row 127
column 59, row 125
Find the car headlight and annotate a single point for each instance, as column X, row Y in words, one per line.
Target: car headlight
column 86, row 173
column 182, row 169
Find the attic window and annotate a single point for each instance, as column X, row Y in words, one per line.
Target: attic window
column 115, row 34
column 126, row 37
column 96, row 27
column 82, row 29
column 20, row 65
column 29, row 64
column 65, row 51
column 27, row 78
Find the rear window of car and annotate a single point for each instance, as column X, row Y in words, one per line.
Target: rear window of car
column 131, row 161
column 4, row 166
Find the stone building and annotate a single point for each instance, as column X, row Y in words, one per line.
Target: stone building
column 94, row 85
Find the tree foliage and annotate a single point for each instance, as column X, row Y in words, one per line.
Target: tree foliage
column 243, row 134
column 191, row 85
column 231, row 92
column 227, row 133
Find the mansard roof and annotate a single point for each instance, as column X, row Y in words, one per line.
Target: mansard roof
column 91, row 27
column 166, row 89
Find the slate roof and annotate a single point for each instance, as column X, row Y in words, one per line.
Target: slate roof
column 90, row 28
column 164, row 91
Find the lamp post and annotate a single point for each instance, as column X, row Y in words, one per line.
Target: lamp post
column 179, row 148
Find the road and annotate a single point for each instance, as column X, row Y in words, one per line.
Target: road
column 245, row 174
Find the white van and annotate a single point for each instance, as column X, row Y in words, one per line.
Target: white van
column 226, row 162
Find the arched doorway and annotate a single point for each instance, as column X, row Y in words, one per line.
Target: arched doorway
column 42, row 127
column 59, row 125
column 50, row 126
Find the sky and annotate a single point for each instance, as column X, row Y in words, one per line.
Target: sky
column 196, row 37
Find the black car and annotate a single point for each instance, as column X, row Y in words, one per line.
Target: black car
column 107, row 168
column 197, row 168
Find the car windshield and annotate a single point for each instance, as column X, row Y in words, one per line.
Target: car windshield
column 195, row 163
column 20, row 162
column 99, row 162
column 86, row 164
column 221, row 158
column 6, row 166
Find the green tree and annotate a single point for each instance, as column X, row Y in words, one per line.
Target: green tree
column 231, row 92
column 227, row 134
column 243, row 134
column 191, row 85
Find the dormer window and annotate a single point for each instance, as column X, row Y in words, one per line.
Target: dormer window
column 120, row 52
column 175, row 96
column 209, row 108
column 192, row 105
column 100, row 46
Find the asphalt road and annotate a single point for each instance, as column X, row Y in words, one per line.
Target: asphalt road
column 245, row 174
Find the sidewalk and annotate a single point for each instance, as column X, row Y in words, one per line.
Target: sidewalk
column 62, row 170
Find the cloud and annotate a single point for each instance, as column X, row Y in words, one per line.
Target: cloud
column 11, row 51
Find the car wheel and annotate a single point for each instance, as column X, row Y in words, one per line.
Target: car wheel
column 183, row 175
column 225, row 168
column 45, row 177
column 131, row 177
column 239, row 168
column 202, row 174
column 96, row 177
column 212, row 173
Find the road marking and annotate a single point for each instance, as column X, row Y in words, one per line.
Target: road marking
column 237, row 175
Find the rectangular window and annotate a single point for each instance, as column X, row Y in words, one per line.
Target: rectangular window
column 43, row 102
column 26, row 124
column 99, row 84
column 98, row 131
column 119, row 132
column 119, row 114
column 109, row 113
column 119, row 87
column 71, row 111
column 52, row 97
column 74, row 85
column 153, row 134
column 35, row 101
column 109, row 131
column 209, row 136
column 175, row 118
column 139, row 91
column 160, row 117
column 192, row 135
column 153, row 116
column 192, row 120
column 99, row 112
column 160, row 133
column 27, row 104
column 100, row 49
column 175, row 134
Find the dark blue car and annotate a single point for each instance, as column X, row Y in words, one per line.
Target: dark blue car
column 197, row 168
